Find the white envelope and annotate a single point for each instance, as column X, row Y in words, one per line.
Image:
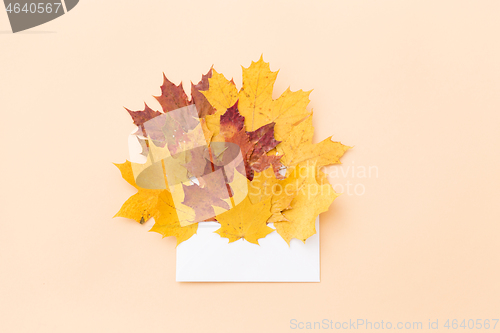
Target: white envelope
column 207, row 257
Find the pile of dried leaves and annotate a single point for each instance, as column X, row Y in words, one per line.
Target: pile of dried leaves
column 280, row 165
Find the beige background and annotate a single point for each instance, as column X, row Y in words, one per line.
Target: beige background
column 413, row 85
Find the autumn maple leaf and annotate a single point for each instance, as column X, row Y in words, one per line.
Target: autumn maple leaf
column 203, row 199
column 167, row 221
column 254, row 145
column 172, row 97
column 202, row 105
column 140, row 117
column 275, row 139
column 245, row 221
column 142, row 205
column 255, row 100
column 297, row 147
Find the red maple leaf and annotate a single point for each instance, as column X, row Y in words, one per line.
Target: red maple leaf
column 140, row 117
column 172, row 97
column 202, row 105
column 254, row 145
column 202, row 199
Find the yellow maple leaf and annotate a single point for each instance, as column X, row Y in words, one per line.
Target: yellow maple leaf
column 256, row 94
column 222, row 94
column 206, row 131
column 288, row 110
column 258, row 107
column 261, row 187
column 292, row 204
column 284, row 192
column 245, row 220
column 298, row 148
column 265, row 185
column 167, row 221
column 142, row 205
column 255, row 101
column 310, row 200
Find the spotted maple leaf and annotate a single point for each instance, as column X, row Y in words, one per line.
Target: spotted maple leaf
column 254, row 145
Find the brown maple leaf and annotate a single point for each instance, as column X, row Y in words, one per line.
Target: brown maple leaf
column 172, row 97
column 262, row 140
column 202, row 105
column 153, row 128
column 202, row 199
column 140, row 117
column 254, row 145
column 199, row 163
column 173, row 133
